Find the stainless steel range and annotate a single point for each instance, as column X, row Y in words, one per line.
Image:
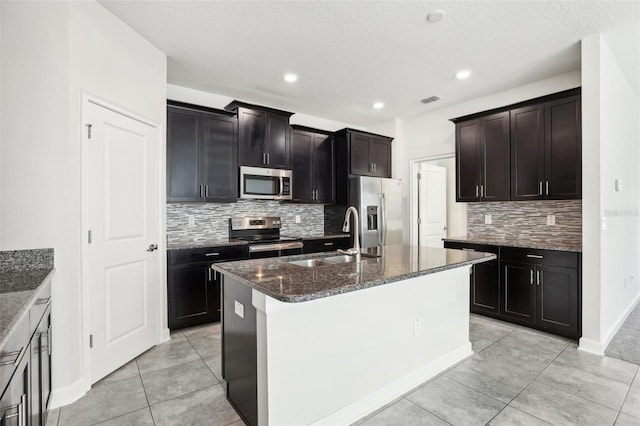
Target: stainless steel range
column 263, row 235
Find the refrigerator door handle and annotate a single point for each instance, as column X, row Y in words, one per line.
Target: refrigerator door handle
column 382, row 233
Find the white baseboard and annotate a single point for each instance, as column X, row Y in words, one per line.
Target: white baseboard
column 67, row 395
column 165, row 335
column 598, row 347
column 395, row 390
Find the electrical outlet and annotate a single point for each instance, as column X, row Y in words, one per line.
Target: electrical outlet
column 417, row 327
column 618, row 185
column 551, row 219
column 192, row 221
column 297, row 218
column 487, row 219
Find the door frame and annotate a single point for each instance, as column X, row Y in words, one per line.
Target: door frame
column 414, row 165
column 162, row 333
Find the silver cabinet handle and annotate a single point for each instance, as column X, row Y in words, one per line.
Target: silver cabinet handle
column 468, row 249
column 547, row 184
column 375, row 167
column 206, row 190
column 531, row 279
column 540, row 188
column 268, row 159
column 49, row 339
column 476, row 190
column 213, row 254
column 201, row 191
column 210, row 274
column 19, row 411
column 538, row 277
column 328, row 244
column 152, row 247
column 535, row 256
column 482, row 190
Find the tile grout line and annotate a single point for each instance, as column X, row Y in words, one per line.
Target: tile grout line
column 421, row 407
column 144, row 389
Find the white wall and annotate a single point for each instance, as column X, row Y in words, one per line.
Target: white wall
column 51, row 52
column 432, row 134
column 611, row 135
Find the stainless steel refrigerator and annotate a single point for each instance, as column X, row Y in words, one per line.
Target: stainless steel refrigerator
column 379, row 204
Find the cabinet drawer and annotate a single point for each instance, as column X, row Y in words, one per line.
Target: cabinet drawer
column 208, row 254
column 36, row 311
column 325, row 244
column 14, row 349
column 472, row 247
column 542, row 257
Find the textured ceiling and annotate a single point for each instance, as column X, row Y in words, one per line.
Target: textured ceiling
column 349, row 54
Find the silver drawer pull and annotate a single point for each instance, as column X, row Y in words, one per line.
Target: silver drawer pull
column 328, row 244
column 44, row 301
column 468, row 249
column 535, row 256
column 212, row 254
column 16, row 360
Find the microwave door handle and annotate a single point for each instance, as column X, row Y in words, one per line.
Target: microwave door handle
column 281, row 192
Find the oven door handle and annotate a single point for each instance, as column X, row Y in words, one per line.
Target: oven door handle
column 274, row 247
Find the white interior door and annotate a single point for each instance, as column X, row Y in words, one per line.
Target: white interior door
column 123, row 221
column 432, row 205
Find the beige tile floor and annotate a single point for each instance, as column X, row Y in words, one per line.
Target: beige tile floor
column 516, row 376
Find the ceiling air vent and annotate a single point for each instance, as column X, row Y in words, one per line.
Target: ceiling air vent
column 430, row 99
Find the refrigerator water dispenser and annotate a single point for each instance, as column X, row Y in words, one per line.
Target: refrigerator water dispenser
column 372, row 218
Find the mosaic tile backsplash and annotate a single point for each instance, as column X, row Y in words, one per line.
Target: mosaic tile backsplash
column 212, row 219
column 527, row 219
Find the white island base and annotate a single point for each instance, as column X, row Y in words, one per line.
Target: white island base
column 332, row 361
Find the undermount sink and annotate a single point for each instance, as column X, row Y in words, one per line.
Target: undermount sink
column 345, row 258
column 307, row 263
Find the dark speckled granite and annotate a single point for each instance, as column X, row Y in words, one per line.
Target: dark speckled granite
column 291, row 283
column 22, row 272
column 528, row 242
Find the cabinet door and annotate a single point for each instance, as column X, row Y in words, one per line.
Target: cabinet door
column 380, row 156
column 192, row 296
column 219, row 158
column 467, row 161
column 519, row 292
column 558, row 300
column 484, row 288
column 251, row 136
column 183, row 135
column 563, row 149
column 277, row 140
column 322, row 169
column 301, row 168
column 495, row 161
column 14, row 402
column 527, row 153
column 359, row 157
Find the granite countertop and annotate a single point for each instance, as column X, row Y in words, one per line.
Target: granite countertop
column 528, row 242
column 287, row 282
column 21, row 275
column 217, row 242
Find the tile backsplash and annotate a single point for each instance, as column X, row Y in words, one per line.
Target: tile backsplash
column 211, row 220
column 527, row 219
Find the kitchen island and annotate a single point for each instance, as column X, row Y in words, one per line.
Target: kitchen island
column 320, row 339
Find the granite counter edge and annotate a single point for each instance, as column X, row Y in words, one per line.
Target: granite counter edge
column 352, row 287
column 533, row 245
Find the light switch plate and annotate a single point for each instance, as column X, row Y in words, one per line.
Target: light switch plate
column 618, row 185
column 297, row 218
column 192, row 220
column 239, row 309
column 487, row 219
column 551, row 219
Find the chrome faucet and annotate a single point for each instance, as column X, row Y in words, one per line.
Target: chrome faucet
column 355, row 250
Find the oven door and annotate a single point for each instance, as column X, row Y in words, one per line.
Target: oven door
column 269, row 184
column 259, row 251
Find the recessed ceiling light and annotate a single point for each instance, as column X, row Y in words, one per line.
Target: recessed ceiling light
column 290, row 77
column 461, row 75
column 378, row 105
column 436, row 16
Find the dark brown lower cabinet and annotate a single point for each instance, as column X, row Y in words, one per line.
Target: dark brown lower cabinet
column 193, row 288
column 318, row 245
column 536, row 288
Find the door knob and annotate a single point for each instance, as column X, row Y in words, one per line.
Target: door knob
column 152, row 247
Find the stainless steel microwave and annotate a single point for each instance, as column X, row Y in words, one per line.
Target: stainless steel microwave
column 265, row 184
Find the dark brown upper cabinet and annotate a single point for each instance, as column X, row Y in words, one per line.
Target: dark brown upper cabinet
column 263, row 135
column 360, row 153
column 482, row 158
column 201, row 154
column 528, row 151
column 312, row 165
column 546, row 146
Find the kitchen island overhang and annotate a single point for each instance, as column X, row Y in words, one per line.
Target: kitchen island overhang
column 334, row 342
